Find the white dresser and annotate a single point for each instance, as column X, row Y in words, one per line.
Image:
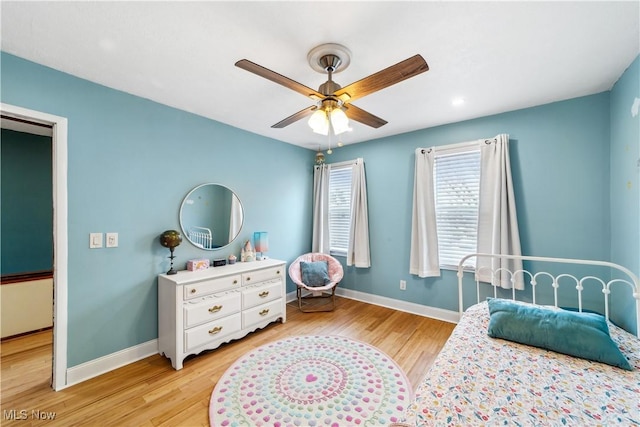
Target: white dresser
column 200, row 310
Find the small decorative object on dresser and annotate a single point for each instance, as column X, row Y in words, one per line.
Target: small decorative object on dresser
column 197, row 264
column 171, row 239
column 261, row 243
column 201, row 310
column 232, row 259
column 247, row 254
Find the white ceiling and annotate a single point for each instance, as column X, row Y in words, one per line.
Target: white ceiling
column 498, row 56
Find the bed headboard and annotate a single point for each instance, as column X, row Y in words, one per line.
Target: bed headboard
column 493, row 268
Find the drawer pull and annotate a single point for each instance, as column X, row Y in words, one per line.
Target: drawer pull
column 215, row 330
column 263, row 294
column 278, row 272
column 248, row 278
column 264, row 312
column 193, row 291
column 215, row 309
column 235, row 282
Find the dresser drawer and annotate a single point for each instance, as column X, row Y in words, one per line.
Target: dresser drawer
column 262, row 312
column 262, row 275
column 201, row 335
column 211, row 308
column 261, row 293
column 212, row 286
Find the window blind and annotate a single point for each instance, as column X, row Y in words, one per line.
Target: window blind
column 457, row 188
column 339, row 209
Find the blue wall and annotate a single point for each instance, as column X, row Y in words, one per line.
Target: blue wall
column 559, row 163
column 129, row 170
column 625, row 185
column 130, row 166
column 27, row 209
column 625, row 174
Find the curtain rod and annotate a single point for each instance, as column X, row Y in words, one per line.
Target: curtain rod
column 457, row 145
column 344, row 163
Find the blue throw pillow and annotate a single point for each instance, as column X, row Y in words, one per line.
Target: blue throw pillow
column 315, row 273
column 584, row 335
column 584, row 310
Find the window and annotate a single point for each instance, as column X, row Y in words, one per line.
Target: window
column 459, row 209
column 339, row 208
column 457, row 191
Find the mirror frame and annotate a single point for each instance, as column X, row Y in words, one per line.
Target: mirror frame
column 184, row 201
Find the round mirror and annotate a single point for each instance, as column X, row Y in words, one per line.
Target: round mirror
column 211, row 216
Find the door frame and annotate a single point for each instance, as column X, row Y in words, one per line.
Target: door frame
column 60, row 234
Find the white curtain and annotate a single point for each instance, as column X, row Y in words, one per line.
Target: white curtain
column 497, row 221
column 424, row 260
column 320, row 238
column 235, row 222
column 358, row 253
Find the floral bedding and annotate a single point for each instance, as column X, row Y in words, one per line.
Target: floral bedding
column 478, row 380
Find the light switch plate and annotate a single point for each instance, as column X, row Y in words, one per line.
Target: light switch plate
column 95, row 240
column 112, row 240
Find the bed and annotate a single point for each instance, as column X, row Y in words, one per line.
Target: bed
column 480, row 380
column 201, row 237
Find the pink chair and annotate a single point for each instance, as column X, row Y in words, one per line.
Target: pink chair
column 328, row 291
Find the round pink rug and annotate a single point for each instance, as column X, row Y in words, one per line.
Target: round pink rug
column 311, row 381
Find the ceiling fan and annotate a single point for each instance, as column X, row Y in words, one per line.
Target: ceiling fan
column 333, row 102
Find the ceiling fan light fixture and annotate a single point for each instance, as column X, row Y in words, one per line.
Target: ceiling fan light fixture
column 319, row 122
column 339, row 121
column 330, row 97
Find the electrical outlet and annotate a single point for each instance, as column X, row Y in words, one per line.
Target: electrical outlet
column 112, row 240
column 403, row 285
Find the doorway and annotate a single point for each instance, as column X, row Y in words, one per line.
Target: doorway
column 60, row 239
column 26, row 255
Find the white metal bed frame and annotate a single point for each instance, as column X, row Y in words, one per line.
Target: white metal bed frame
column 201, row 236
column 630, row 279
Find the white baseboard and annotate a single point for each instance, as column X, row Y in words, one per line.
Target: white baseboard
column 395, row 304
column 104, row 364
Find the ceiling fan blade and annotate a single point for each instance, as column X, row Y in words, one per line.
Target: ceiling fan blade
column 295, row 117
column 254, row 68
column 359, row 115
column 389, row 76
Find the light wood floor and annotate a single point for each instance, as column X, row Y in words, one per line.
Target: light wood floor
column 151, row 393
